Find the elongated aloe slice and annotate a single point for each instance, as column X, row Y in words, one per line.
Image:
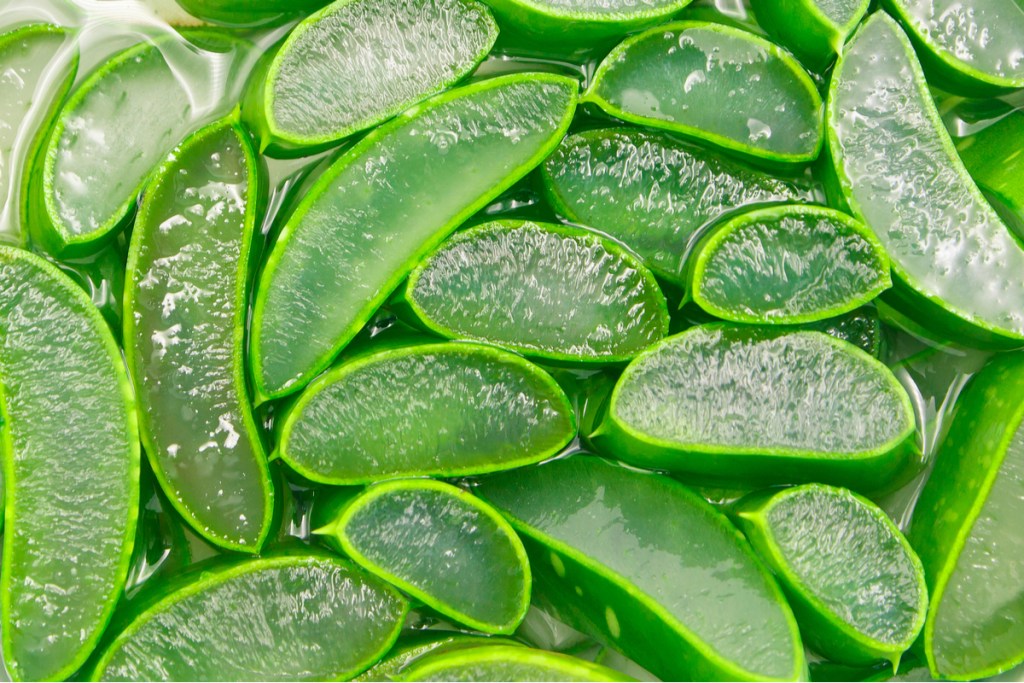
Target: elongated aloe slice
column 391, row 53
column 995, row 160
column 71, row 465
column 651, row 192
column 966, row 530
column 788, row 265
column 184, row 325
column 676, row 76
column 755, row 405
column 543, row 290
column 439, row 409
column 414, row 646
column 556, row 23
column 815, row 30
column 956, row 265
column 647, row 567
column 250, row 12
column 855, row 584
column 376, row 212
column 442, row 546
column 292, row 617
column 507, row 663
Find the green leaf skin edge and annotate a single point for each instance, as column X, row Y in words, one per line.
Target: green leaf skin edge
column 536, row 21
column 801, row 26
column 564, row 666
column 250, row 12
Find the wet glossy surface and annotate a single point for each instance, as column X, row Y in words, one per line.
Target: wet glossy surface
column 503, row 663
column 995, row 158
column 862, row 328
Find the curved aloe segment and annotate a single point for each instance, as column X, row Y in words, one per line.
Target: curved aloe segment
column 956, row 265
column 855, row 584
column 185, row 305
column 966, row 528
column 994, row 158
column 71, row 465
column 556, row 23
column 675, row 77
column 376, row 212
column 652, row 192
column 815, row 30
column 249, row 12
column 393, row 53
column 437, row 409
column 442, row 546
column 506, row 663
column 543, row 290
column 414, row 646
column 697, row 404
column 291, row 617
column 649, row 568
column 788, row 265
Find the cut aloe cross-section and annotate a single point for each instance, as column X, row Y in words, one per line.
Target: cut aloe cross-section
column 995, row 158
column 855, row 584
column 787, row 265
column 506, row 663
column 957, row 267
column 573, row 23
column 435, row 409
column 543, row 290
column 649, row 568
column 652, row 192
column 184, row 325
column 286, row 617
column 717, row 84
column 442, row 546
column 377, row 211
column 755, row 405
column 71, row 465
column 815, row 30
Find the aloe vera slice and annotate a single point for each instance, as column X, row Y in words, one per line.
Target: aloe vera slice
column 956, row 265
column 679, row 76
column 652, row 192
column 546, row 291
column 376, row 212
column 507, row 663
column 71, row 468
column 966, row 529
column 442, row 546
column 855, row 584
column 250, row 12
column 285, row 617
column 815, row 30
column 560, row 23
column 649, row 568
column 441, row 409
column 755, row 405
column 415, row 645
column 788, row 265
column 185, row 305
column 994, row 158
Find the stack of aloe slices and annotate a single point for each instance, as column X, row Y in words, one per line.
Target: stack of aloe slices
column 512, row 340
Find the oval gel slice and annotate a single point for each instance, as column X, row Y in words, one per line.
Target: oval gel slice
column 291, row 617
column 788, row 265
column 440, row 545
column 436, row 409
column 716, row 84
column 761, row 406
column 649, row 568
column 377, row 211
column 815, row 30
column 185, row 305
column 71, row 468
column 546, row 291
column 956, row 265
column 855, row 584
column 506, row 663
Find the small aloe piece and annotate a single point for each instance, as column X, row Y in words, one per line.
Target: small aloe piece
column 250, row 12
column 415, row 645
column 815, row 30
column 506, row 663
column 573, row 23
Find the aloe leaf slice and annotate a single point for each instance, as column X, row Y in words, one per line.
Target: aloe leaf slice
column 376, row 212
column 856, row 586
column 815, row 30
column 285, row 617
column 966, row 530
column 443, row 409
column 442, row 546
column 752, row 405
column 956, row 265
column 652, row 192
column 415, row 645
column 543, row 290
column 676, row 76
column 787, row 265
column 71, row 467
column 649, row 568
column 994, row 159
column 250, row 12
column 507, row 663
column 559, row 23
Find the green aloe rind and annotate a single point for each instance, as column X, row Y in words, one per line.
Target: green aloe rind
column 815, row 30
column 251, row 12
column 994, row 159
column 415, row 645
column 580, row 22
column 506, row 663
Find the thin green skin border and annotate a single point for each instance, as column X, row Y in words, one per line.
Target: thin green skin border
column 323, row 185
column 253, row 190
column 99, row 324
column 341, row 372
column 220, row 575
column 720, row 234
column 433, row 663
column 273, row 135
column 833, row 33
column 658, row 302
column 376, row 491
column 974, row 328
column 698, row 134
